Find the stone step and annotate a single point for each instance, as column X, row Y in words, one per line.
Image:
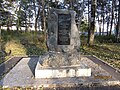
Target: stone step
column 60, row 72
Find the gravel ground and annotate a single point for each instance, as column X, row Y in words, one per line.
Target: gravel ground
column 22, row 75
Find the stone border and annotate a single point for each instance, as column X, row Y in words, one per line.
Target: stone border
column 106, row 63
column 87, row 84
column 114, row 72
column 8, row 65
column 105, row 83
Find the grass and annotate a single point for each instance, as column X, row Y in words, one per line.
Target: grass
column 21, row 43
column 107, row 51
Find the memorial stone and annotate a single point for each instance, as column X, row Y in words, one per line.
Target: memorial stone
column 63, row 35
column 63, row 42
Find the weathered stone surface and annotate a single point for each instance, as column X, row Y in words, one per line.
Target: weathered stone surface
column 53, row 29
column 58, row 59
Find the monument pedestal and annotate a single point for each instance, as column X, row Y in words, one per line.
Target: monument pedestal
column 67, row 71
column 79, row 70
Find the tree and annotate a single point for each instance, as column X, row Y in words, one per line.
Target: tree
column 113, row 6
column 44, row 19
column 1, row 13
column 118, row 24
column 108, row 16
column 92, row 23
column 37, row 14
column 5, row 13
column 103, row 14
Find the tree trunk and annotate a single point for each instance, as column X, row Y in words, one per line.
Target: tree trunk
column 108, row 20
column 108, row 25
column 118, row 25
column 103, row 24
column 103, row 20
column 8, row 28
column 34, row 6
column 44, row 19
column 88, row 22
column 99, row 21
column 26, row 28
column 18, row 19
column 100, row 28
column 36, row 20
column 11, row 19
column 71, row 4
column 113, row 3
column 80, row 15
column 29, row 25
column 92, row 26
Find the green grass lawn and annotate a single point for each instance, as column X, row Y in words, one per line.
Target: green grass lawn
column 31, row 43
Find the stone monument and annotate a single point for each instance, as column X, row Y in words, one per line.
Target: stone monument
column 63, row 41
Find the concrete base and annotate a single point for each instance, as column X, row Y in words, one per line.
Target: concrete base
column 63, row 71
